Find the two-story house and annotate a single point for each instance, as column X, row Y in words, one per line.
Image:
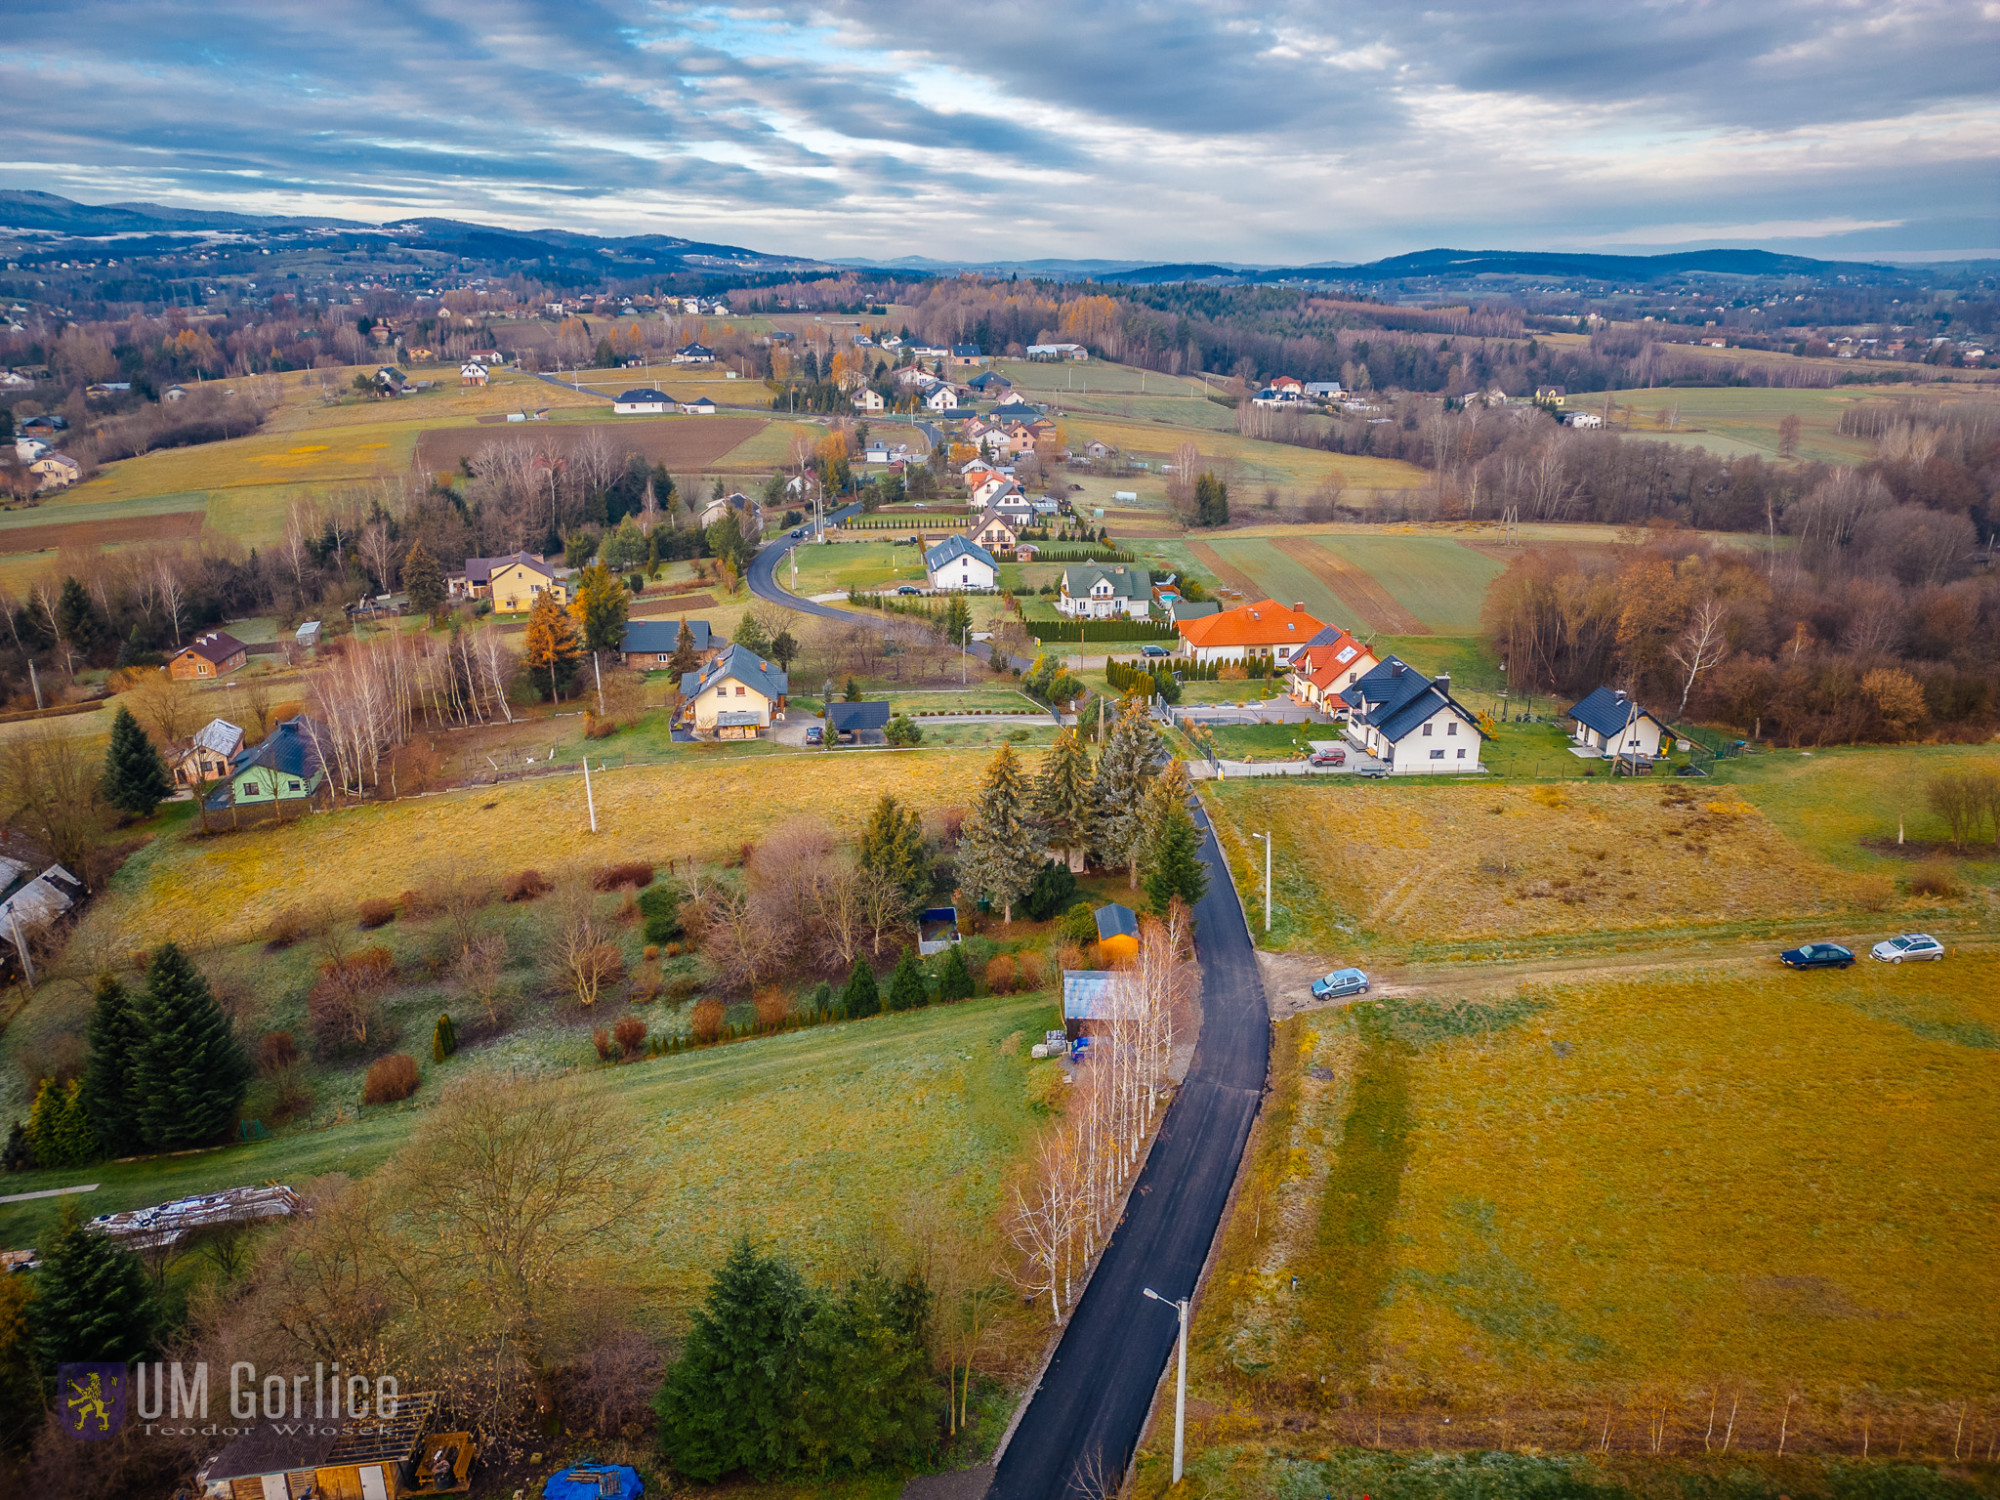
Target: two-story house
column 734, row 697
column 1411, row 723
column 1100, row 591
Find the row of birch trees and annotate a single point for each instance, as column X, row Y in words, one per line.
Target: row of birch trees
column 371, row 697
column 1066, row 1204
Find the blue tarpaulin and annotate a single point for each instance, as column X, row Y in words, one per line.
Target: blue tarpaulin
column 595, row 1482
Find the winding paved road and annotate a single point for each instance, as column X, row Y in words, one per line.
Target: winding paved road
column 1084, row 1418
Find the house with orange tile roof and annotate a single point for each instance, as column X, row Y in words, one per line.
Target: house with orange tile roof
column 1330, row 661
column 1263, row 628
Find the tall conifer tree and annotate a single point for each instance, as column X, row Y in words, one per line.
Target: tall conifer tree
column 135, row 778
column 92, row 1303
column 998, row 852
column 1066, row 799
column 110, row 1085
column 192, row 1073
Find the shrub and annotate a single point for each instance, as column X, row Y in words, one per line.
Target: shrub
column 773, row 1006
column 524, row 885
column 444, row 1038
column 1079, row 924
column 287, row 927
column 602, row 1040
column 1032, row 974
column 389, row 1079
column 342, row 1002
column 630, row 1034
column 820, row 1001
column 419, row 903
column 1934, row 878
column 616, row 877
column 660, row 905
column 1001, row 976
column 376, row 912
column 651, row 953
column 706, row 1022
column 954, row 978
column 681, row 986
column 1874, row 892
column 276, row 1050
column 1054, row 889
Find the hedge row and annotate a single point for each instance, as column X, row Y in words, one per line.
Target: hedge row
column 1101, row 630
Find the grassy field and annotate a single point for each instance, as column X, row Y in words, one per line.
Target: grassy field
column 855, row 565
column 226, row 889
column 1384, row 868
column 1398, row 584
column 810, row 1139
column 1255, row 463
column 1598, row 1207
column 1739, row 420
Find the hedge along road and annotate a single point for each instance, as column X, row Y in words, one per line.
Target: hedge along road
column 1083, row 1419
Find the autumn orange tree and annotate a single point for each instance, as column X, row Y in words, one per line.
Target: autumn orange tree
column 552, row 643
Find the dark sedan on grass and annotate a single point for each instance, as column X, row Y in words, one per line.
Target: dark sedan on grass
column 1816, row 956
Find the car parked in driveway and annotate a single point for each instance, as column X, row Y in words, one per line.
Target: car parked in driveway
column 1334, row 756
column 908, row 588
column 1154, row 651
column 815, row 734
column 1340, row 982
column 1816, row 956
column 1910, row 947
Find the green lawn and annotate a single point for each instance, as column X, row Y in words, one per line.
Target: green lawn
column 808, row 1138
column 854, row 565
column 1268, row 741
column 975, row 698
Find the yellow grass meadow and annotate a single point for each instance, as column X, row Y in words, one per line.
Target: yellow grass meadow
column 226, row 889
column 1625, row 1198
column 1426, row 863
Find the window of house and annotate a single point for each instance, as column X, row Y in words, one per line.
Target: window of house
column 1452, row 727
column 1437, row 755
column 295, row 786
column 739, row 690
column 1461, row 752
column 1427, row 731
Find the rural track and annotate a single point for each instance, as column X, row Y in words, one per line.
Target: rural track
column 1084, row 1417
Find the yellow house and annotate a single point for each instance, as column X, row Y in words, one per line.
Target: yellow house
column 735, row 696
column 513, row 583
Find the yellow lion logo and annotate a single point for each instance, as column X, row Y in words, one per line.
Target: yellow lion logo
column 86, row 1400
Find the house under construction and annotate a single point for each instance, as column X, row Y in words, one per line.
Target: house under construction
column 380, row 1458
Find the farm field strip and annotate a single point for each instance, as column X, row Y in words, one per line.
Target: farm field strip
column 1437, row 580
column 1230, row 575
column 1256, row 461
column 678, row 442
column 1280, row 574
column 1377, row 609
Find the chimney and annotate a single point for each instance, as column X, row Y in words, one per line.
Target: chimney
column 1621, row 695
column 1397, row 669
column 1444, row 682
column 1298, row 606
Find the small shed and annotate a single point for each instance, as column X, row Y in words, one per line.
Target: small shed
column 857, row 723
column 1117, row 932
column 1093, row 999
column 937, row 929
column 307, row 635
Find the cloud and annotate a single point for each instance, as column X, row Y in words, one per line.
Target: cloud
column 1291, row 131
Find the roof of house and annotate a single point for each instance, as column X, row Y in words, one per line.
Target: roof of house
column 990, row 379
column 1609, row 710
column 965, row 351
column 215, row 646
column 1395, row 698
column 850, row 718
column 1116, row 921
column 701, row 402
column 1188, row 609
column 1329, row 651
column 219, row 735
column 41, row 900
column 1265, row 622
column 482, row 569
column 292, row 749
column 743, row 665
column 660, row 637
column 694, row 349
column 1126, row 582
column 643, row 396
column 1096, row 995
column 954, row 547
column 1014, row 411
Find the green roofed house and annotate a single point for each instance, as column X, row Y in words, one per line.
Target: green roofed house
column 286, row 767
column 1099, row 591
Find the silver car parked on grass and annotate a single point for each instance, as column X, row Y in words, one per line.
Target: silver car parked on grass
column 1907, row 947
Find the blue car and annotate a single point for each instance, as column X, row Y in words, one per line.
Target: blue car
column 815, row 734
column 1816, row 956
column 1339, row 983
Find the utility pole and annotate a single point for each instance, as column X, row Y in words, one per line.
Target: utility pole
column 597, row 672
column 1266, row 837
column 589, row 799
column 35, row 681
column 1180, row 1383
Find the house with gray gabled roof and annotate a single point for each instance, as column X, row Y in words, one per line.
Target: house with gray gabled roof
column 960, row 563
column 1099, row 591
column 209, row 753
column 650, row 644
column 1611, row 722
column 1411, row 723
column 734, row 697
column 857, row 723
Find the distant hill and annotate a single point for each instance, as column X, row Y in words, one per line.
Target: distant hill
column 1460, row 264
column 31, row 210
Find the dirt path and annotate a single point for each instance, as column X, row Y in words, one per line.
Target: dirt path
column 1358, row 589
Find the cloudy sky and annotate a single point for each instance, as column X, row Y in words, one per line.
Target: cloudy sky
column 1273, row 132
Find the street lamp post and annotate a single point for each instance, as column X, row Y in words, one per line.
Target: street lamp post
column 1180, row 1384
column 1267, row 877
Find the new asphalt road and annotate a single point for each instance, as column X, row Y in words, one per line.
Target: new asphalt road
column 1083, row 1420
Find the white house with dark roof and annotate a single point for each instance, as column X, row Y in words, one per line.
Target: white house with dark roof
column 958, row 563
column 1612, row 723
column 694, row 354
column 1411, row 723
column 643, row 402
column 1101, row 591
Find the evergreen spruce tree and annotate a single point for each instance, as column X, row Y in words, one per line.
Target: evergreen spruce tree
column 686, row 658
column 1066, row 799
column 998, row 852
column 728, row 1404
column 1125, row 771
column 551, row 645
column 192, row 1073
column 954, row 978
column 1174, row 864
column 820, row 1001
column 752, row 636
column 423, row 580
column 907, row 989
column 92, row 1302
column 444, row 1038
column 78, row 619
column 110, row 1089
column 59, row 1130
column 860, row 998
column 1211, row 501
column 135, row 778
column 865, row 1395
column 892, row 846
